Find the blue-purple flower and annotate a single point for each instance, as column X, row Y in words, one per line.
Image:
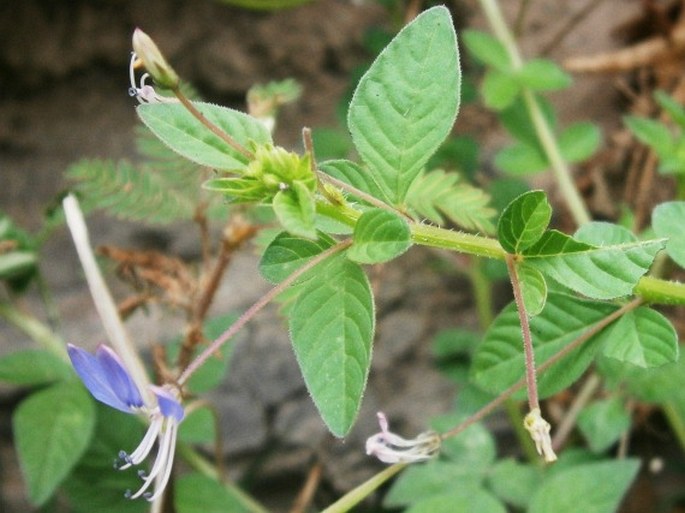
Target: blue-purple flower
column 106, row 378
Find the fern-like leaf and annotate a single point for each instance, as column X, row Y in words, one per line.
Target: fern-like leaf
column 128, row 192
column 438, row 196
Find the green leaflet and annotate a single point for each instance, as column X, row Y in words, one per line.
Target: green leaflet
column 576, row 489
column 642, row 337
column 499, row 89
column 524, row 221
column 406, row 103
column 53, row 428
column 195, row 493
column 543, row 75
column 498, row 362
column 287, row 253
column 521, row 159
column 438, row 195
column 487, row 49
column 332, row 325
column 604, row 272
column 668, row 221
column 379, row 236
column 33, row 367
column 178, row 129
column 459, row 499
column 579, row 141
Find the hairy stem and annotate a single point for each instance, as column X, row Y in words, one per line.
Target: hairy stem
column 531, row 381
column 543, row 130
column 256, row 308
column 354, row 497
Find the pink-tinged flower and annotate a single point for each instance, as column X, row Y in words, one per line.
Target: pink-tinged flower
column 106, row 378
column 144, row 92
column 391, row 448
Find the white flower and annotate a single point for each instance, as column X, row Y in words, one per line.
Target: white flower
column 391, row 448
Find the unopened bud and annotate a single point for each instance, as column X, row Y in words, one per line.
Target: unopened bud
column 153, row 60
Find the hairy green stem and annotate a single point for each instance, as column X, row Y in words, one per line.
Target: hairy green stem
column 256, row 308
column 542, row 128
column 482, row 292
column 531, row 381
column 652, row 290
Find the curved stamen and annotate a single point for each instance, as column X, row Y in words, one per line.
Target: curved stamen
column 145, row 446
column 169, row 463
column 166, row 447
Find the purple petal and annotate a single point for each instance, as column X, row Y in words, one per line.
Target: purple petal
column 119, row 379
column 168, row 404
column 94, row 378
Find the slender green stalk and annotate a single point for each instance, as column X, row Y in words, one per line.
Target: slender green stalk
column 482, row 292
column 676, row 422
column 587, row 391
column 544, row 132
column 354, row 497
column 35, row 329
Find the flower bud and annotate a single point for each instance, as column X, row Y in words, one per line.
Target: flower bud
column 153, row 60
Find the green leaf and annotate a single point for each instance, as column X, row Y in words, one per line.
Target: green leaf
column 331, row 143
column 459, row 499
column 420, row 482
column 354, row 175
column 287, row 253
column 642, row 337
column 195, row 493
column 295, row 209
column 332, row 325
column 604, row 272
column 406, row 103
column 33, row 367
column 94, row 485
column 668, row 220
column 674, row 109
column 438, row 195
column 652, row 133
column 498, row 362
column 600, row 233
column 603, row 422
column 179, row 129
column 524, row 221
column 514, row 482
column 543, row 75
column 473, row 449
column 579, row 141
column 576, row 489
column 52, row 429
column 486, row 48
column 379, row 236
column 533, row 288
column 521, row 159
column 499, row 89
